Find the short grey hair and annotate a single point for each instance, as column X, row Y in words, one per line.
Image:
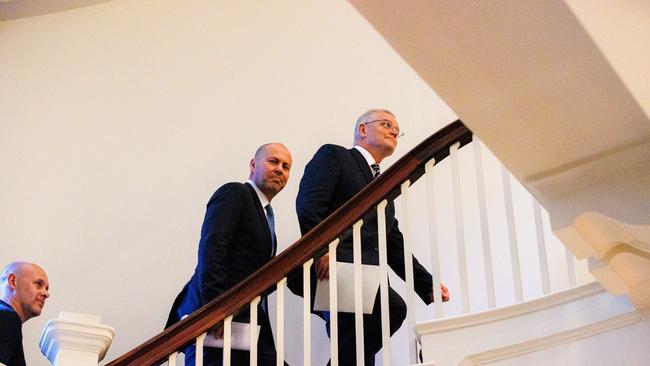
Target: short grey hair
column 15, row 268
column 367, row 116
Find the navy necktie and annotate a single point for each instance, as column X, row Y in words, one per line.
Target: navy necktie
column 270, row 219
column 375, row 169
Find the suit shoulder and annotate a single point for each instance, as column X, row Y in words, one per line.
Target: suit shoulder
column 230, row 189
column 8, row 317
column 233, row 187
column 332, row 148
column 330, row 151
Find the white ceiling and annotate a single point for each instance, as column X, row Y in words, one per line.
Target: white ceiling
column 15, row 9
column 559, row 100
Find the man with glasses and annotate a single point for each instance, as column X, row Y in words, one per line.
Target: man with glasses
column 331, row 178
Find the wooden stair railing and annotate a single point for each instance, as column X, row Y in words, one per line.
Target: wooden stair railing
column 387, row 186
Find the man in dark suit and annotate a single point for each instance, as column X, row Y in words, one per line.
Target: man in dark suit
column 331, row 178
column 24, row 287
column 237, row 238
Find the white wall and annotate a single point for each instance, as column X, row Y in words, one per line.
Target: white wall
column 119, row 121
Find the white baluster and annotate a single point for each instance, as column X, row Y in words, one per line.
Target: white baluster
column 198, row 359
column 280, row 321
column 334, row 315
column 227, row 340
column 571, row 267
column 253, row 330
column 171, row 360
column 383, row 281
column 433, row 237
column 541, row 247
column 358, row 291
column 485, row 231
column 408, row 270
column 306, row 311
column 512, row 235
column 460, row 228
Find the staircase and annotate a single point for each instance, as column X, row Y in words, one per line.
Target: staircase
column 583, row 325
column 539, row 314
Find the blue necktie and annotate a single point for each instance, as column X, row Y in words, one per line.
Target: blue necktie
column 270, row 219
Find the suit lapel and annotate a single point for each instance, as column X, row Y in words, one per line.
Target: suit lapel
column 262, row 217
column 363, row 164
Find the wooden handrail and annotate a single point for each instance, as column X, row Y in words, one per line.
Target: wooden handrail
column 386, row 186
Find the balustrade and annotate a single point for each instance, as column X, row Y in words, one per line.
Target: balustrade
column 373, row 200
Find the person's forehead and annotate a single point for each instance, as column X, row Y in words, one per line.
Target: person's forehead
column 277, row 151
column 385, row 115
column 35, row 272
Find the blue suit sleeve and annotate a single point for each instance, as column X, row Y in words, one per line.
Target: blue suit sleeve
column 219, row 228
column 317, row 186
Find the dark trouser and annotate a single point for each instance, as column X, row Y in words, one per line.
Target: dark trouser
column 266, row 355
column 214, row 357
column 371, row 329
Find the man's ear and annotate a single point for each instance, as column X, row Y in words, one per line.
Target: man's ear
column 11, row 280
column 251, row 166
column 362, row 130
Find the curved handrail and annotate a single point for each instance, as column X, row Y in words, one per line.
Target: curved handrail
column 386, row 186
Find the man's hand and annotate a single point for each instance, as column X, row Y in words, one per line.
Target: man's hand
column 322, row 267
column 217, row 331
column 445, row 293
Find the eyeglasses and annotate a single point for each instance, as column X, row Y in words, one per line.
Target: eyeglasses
column 387, row 125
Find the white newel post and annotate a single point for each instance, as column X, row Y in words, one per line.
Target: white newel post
column 75, row 339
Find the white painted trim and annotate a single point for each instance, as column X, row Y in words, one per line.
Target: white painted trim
column 604, row 233
column 306, row 312
column 409, row 296
column 171, row 360
column 434, row 249
column 467, row 320
column 619, row 254
column 75, row 333
column 358, row 288
column 646, row 315
column 279, row 325
column 383, row 282
column 557, row 339
column 460, row 227
column 512, row 234
column 485, row 228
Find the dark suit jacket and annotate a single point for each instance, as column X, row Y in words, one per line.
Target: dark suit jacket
column 235, row 242
column 331, row 178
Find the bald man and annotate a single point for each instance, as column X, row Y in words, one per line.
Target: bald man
column 23, row 289
column 237, row 239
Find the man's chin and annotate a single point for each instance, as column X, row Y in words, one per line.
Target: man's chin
column 34, row 313
column 390, row 149
column 272, row 188
column 275, row 185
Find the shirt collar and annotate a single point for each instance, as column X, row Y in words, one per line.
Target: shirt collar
column 366, row 155
column 261, row 196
